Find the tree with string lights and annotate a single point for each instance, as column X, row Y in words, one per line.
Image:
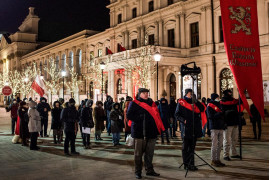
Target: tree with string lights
column 27, row 78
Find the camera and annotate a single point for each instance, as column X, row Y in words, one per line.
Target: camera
column 185, row 70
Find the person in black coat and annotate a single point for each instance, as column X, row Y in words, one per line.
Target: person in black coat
column 184, row 114
column 86, row 121
column 57, row 124
column 173, row 127
column 43, row 108
column 24, row 119
column 80, row 108
column 164, row 111
column 70, row 117
column 217, row 126
column 116, row 118
column 108, row 107
column 256, row 118
column 144, row 131
column 229, row 106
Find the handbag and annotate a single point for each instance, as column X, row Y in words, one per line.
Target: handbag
column 130, row 141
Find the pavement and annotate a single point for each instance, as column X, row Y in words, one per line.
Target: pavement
column 104, row 161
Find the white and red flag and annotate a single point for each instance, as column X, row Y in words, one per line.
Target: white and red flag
column 38, row 86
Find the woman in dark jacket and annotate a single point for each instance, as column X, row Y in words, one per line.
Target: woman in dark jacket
column 82, row 105
column 116, row 118
column 87, row 122
column 24, row 119
column 99, row 117
column 164, row 111
column 173, row 122
column 57, row 124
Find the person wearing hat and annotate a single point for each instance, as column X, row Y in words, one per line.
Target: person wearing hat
column 216, row 126
column 70, row 117
column 43, row 108
column 13, row 108
column 145, row 126
column 34, row 124
column 230, row 135
column 23, row 114
column 192, row 131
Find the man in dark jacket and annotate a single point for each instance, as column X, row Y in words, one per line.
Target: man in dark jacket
column 43, row 108
column 86, row 121
column 144, row 131
column 217, row 126
column 184, row 113
column 108, row 107
column 173, row 127
column 57, row 124
column 256, row 118
column 164, row 111
column 70, row 117
column 13, row 108
column 229, row 106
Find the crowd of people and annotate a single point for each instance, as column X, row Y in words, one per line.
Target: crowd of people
column 142, row 118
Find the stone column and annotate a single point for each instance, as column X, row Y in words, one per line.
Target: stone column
column 126, row 82
column 202, row 27
column 161, row 33
column 123, row 39
column 127, row 40
column 130, row 85
column 142, row 35
column 112, row 84
column 182, row 26
column 156, row 33
column 208, row 25
column 177, row 31
column 139, row 36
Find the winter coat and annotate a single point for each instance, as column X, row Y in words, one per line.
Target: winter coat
column 57, row 124
column 99, row 117
column 87, row 117
column 142, row 121
column 80, row 108
column 182, row 114
column 116, row 119
column 164, row 111
column 34, row 124
column 41, row 108
column 231, row 112
column 14, row 110
column 255, row 114
column 172, row 107
column 70, row 117
column 127, row 128
column 24, row 119
column 216, row 119
column 108, row 104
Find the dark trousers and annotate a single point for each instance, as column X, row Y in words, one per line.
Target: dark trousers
column 34, row 136
column 13, row 124
column 258, row 122
column 69, row 139
column 44, row 123
column 188, row 149
column 167, row 135
column 144, row 147
column 86, row 139
column 173, row 128
column 108, row 122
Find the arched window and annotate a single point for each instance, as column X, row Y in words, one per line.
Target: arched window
column 64, row 61
column 119, row 86
column 226, row 80
column 71, row 59
column 173, row 86
column 57, row 63
column 91, row 90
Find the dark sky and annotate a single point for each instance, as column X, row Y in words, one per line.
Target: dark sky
column 58, row 18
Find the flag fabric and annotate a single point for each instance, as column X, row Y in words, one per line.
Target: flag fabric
column 241, row 42
column 109, row 51
column 38, row 86
column 122, row 48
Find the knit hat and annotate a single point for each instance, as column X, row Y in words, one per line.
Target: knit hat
column 226, row 92
column 128, row 98
column 187, row 91
column 71, row 100
column 214, row 96
column 143, row 90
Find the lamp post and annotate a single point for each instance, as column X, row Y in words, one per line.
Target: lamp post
column 157, row 58
column 102, row 67
column 63, row 75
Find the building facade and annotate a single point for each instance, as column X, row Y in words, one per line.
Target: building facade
column 181, row 31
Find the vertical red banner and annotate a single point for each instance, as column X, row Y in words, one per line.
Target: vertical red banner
column 241, row 41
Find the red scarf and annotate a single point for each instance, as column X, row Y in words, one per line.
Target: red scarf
column 153, row 111
column 185, row 104
column 241, row 108
column 214, row 107
column 232, row 102
column 203, row 116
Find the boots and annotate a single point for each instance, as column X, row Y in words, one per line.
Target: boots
column 54, row 138
column 99, row 138
column 96, row 137
column 221, row 164
column 162, row 140
column 215, row 163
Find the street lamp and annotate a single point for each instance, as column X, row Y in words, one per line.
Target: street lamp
column 63, row 75
column 102, row 67
column 6, row 83
column 157, row 58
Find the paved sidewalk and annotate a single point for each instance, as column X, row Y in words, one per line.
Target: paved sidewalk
column 104, row 161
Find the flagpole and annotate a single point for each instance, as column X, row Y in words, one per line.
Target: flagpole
column 240, row 125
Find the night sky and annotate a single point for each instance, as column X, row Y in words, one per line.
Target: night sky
column 58, row 18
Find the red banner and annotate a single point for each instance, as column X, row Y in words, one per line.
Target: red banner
column 241, row 41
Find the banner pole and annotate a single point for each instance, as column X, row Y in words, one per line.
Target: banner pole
column 240, row 125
